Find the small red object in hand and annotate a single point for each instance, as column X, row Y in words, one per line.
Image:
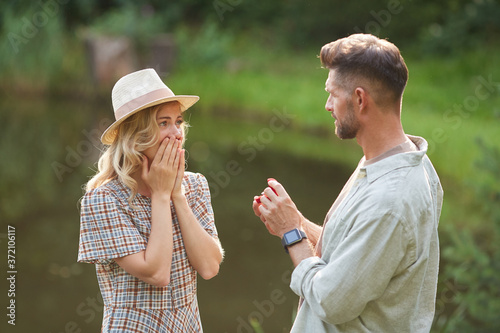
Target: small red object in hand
column 259, row 198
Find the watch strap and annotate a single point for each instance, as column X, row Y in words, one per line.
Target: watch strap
column 297, row 233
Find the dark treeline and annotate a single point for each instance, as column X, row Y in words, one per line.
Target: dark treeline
column 436, row 26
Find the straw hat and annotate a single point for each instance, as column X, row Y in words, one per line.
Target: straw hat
column 137, row 91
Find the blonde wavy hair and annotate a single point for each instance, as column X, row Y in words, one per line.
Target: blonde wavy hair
column 124, row 156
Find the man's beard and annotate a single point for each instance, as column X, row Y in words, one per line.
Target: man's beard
column 348, row 128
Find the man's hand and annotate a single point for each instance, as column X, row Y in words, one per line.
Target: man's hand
column 277, row 210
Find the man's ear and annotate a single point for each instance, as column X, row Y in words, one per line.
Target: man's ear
column 360, row 99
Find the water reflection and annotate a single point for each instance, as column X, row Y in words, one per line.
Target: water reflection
column 48, row 152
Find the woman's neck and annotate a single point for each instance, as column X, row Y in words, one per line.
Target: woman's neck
column 142, row 188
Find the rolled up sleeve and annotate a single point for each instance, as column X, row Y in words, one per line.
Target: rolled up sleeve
column 338, row 286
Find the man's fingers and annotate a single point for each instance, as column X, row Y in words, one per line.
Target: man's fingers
column 255, row 206
column 264, row 200
column 276, row 187
column 263, row 210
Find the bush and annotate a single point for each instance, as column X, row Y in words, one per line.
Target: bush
column 471, row 278
column 32, row 54
column 473, row 25
column 206, row 45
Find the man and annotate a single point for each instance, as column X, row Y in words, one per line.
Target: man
column 373, row 265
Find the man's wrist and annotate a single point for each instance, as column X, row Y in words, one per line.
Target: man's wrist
column 292, row 237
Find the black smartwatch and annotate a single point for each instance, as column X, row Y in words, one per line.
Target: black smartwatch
column 292, row 237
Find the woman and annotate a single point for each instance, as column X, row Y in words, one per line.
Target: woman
column 146, row 224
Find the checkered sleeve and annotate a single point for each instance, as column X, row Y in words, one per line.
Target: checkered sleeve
column 202, row 206
column 107, row 229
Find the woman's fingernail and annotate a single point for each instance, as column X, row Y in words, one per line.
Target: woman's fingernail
column 269, row 179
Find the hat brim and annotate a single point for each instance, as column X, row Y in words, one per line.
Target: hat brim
column 185, row 101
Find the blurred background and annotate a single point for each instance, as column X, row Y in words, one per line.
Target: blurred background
column 261, row 114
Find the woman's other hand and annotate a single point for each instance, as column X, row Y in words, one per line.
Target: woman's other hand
column 161, row 175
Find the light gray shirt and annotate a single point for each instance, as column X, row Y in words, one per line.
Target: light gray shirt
column 379, row 259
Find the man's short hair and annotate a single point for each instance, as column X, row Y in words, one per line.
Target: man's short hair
column 362, row 57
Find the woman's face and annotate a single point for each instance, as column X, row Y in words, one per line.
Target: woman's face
column 169, row 120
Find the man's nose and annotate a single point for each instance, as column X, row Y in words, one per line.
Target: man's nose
column 329, row 105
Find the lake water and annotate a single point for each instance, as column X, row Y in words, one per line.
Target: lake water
column 47, row 154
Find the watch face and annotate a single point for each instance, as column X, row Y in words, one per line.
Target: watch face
column 292, row 236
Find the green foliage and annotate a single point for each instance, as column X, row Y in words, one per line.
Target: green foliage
column 472, row 266
column 489, row 190
column 469, row 27
column 206, row 45
column 139, row 25
column 38, row 52
column 444, row 26
column 40, row 43
column 31, row 46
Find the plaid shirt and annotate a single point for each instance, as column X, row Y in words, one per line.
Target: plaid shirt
column 110, row 228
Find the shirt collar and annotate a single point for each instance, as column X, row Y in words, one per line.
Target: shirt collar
column 396, row 159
